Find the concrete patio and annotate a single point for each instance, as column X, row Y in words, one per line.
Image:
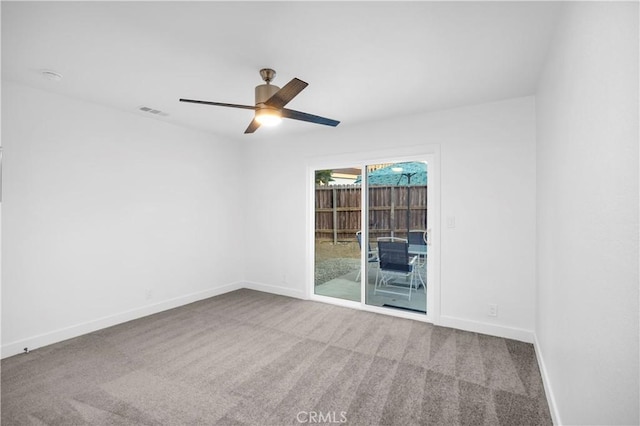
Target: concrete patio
column 346, row 287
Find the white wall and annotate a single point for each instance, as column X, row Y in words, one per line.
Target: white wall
column 587, row 211
column 488, row 184
column 108, row 216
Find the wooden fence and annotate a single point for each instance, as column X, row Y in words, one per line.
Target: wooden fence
column 338, row 211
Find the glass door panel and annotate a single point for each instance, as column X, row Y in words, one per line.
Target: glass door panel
column 337, row 229
column 397, row 234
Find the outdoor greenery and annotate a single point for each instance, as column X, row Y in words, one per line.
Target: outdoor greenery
column 323, row 177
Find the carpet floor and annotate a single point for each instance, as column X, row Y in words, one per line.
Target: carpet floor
column 252, row 358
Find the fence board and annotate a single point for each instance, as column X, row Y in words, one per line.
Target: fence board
column 338, row 211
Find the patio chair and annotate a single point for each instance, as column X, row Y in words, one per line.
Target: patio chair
column 418, row 247
column 392, row 239
column 418, row 237
column 372, row 255
column 395, row 262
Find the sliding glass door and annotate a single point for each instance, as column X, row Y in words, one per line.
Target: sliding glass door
column 398, row 234
column 337, row 228
column 385, row 264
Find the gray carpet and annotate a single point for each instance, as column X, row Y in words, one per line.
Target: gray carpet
column 254, row 358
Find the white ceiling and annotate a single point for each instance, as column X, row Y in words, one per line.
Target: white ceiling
column 363, row 60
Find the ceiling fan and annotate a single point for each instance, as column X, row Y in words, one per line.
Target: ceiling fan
column 270, row 101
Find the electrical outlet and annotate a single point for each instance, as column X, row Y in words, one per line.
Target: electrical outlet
column 493, row 310
column 148, row 294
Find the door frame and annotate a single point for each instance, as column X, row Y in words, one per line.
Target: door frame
column 429, row 153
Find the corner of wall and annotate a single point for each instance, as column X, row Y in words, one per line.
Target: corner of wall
column 546, row 381
column 273, row 289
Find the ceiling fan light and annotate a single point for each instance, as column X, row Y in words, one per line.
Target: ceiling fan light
column 268, row 117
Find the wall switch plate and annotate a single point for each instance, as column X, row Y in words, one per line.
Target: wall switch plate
column 451, row 222
column 493, row 310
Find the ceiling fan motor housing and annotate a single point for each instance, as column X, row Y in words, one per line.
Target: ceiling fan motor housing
column 264, row 92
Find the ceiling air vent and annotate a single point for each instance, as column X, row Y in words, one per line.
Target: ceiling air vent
column 153, row 111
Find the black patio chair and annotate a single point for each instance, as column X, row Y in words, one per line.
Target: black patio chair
column 394, row 263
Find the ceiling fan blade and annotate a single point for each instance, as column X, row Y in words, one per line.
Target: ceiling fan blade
column 253, row 126
column 219, row 104
column 288, row 92
column 303, row 116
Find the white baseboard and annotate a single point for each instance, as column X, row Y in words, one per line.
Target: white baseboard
column 486, row 328
column 59, row 335
column 268, row 288
column 546, row 381
column 33, row 342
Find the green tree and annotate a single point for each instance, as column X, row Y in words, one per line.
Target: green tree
column 323, row 177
